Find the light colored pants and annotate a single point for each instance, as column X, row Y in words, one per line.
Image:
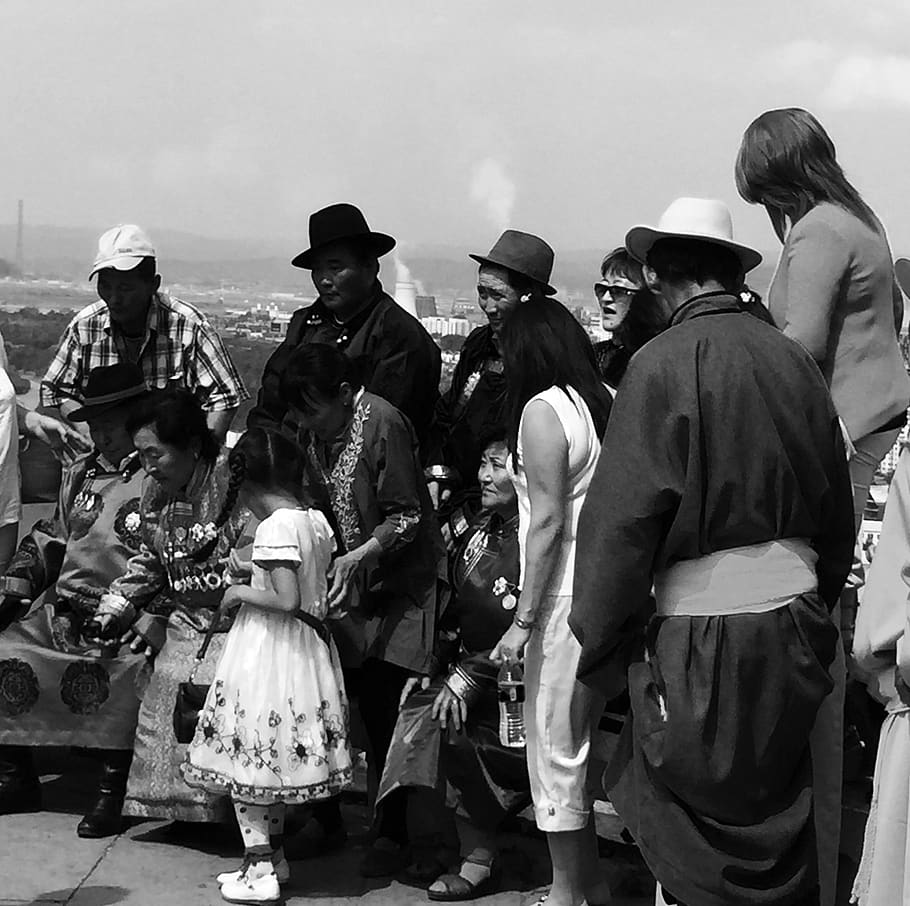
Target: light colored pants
column 560, row 715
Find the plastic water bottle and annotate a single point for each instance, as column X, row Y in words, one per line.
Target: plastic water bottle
column 511, row 706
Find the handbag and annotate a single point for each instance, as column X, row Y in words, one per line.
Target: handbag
column 191, row 695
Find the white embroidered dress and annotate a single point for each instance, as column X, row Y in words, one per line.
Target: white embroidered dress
column 275, row 723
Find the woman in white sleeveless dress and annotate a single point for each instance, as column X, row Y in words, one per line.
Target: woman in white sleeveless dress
column 557, row 411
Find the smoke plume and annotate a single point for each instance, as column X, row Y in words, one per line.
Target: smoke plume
column 492, row 188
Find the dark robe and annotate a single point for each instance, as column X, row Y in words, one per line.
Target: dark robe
column 722, row 435
column 398, row 360
column 489, row 780
column 474, row 403
column 371, row 484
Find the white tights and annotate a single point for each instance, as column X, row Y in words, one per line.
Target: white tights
column 260, row 825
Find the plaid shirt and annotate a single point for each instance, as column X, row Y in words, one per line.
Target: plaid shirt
column 180, row 347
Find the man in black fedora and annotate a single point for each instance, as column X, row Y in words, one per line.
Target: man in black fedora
column 398, row 359
column 517, row 268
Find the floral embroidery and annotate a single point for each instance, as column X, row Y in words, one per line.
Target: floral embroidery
column 18, row 687
column 128, row 524
column 341, row 480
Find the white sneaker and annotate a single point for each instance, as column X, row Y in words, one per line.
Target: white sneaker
column 282, row 871
column 258, row 884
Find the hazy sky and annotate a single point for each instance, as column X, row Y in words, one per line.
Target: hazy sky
column 445, row 121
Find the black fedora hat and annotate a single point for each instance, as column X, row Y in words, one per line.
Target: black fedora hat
column 109, row 386
column 341, row 221
column 523, row 253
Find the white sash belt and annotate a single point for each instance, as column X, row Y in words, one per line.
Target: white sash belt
column 755, row 579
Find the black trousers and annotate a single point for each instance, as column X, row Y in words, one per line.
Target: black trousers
column 377, row 685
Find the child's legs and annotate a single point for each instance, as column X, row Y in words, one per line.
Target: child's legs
column 276, row 827
column 254, row 822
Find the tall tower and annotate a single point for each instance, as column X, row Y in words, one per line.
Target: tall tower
column 20, row 258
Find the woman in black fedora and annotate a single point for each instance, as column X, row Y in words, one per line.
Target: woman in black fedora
column 397, row 358
column 516, row 269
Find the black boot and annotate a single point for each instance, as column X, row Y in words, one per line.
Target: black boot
column 103, row 819
column 20, row 789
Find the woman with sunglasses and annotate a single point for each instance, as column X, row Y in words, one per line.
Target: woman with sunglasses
column 628, row 310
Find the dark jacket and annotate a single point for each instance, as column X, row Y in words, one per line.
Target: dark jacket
column 398, row 360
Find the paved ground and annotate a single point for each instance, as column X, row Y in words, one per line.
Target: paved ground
column 42, row 862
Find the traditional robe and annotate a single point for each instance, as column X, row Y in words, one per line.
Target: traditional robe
column 57, row 688
column 722, row 435
column 486, row 780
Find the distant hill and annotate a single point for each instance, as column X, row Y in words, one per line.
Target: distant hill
column 65, row 253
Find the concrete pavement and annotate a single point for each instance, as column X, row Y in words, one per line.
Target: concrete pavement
column 43, row 862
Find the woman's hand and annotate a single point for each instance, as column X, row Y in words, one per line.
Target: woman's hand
column 65, row 442
column 511, row 646
column 410, row 686
column 448, row 706
column 137, row 644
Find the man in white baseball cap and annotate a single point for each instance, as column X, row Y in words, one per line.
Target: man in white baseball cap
column 723, row 483
column 170, row 340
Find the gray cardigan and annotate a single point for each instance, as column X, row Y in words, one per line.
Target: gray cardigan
column 834, row 291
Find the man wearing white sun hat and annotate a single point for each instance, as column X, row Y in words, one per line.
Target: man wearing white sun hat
column 723, row 482
column 133, row 321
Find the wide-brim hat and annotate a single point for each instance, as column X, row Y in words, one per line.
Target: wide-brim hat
column 523, row 253
column 109, row 386
column 902, row 272
column 692, row 218
column 122, row 248
column 340, row 222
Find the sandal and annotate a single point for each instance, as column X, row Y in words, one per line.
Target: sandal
column 458, row 889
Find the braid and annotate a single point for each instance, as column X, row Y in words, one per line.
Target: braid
column 237, row 467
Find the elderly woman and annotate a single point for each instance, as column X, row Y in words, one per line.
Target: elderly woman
column 629, row 311
column 517, row 268
column 58, row 685
column 364, row 470
column 171, row 590
column 448, row 732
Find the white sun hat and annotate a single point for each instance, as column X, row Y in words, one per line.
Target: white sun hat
column 692, row 218
column 122, row 247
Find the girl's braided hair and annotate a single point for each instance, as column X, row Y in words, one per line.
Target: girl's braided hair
column 265, row 458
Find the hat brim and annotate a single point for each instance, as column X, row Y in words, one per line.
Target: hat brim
column 92, row 410
column 902, row 272
column 640, row 239
column 486, row 259
column 378, row 243
column 120, row 263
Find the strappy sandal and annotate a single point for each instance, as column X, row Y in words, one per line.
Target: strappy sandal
column 458, row 888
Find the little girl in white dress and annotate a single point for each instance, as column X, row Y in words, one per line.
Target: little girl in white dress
column 274, row 729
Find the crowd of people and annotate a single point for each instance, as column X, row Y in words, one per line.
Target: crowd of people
column 660, row 526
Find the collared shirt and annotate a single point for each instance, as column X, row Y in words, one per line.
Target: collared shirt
column 180, row 348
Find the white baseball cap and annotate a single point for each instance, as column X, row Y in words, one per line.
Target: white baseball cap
column 122, row 247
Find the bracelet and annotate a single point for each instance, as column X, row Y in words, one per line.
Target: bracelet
column 460, row 684
column 522, row 624
column 440, row 473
